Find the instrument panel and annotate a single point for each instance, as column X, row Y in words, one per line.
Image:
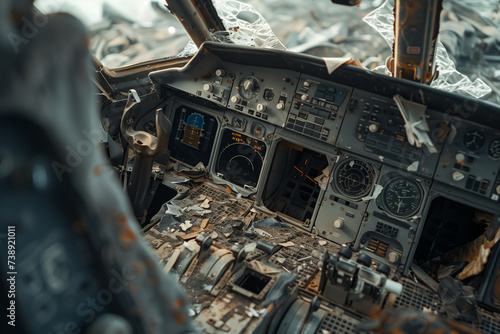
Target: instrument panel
column 371, row 186
column 470, row 160
column 318, row 109
column 377, row 129
column 264, row 94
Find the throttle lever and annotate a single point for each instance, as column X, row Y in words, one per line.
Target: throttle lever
column 145, row 146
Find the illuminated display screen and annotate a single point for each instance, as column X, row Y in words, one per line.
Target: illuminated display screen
column 193, row 135
column 240, row 159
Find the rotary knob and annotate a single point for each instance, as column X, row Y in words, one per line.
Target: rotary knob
column 304, row 97
column 235, row 99
column 220, row 72
column 208, row 87
column 261, row 107
column 373, row 127
column 457, row 176
column 307, row 84
column 460, row 157
column 393, row 257
column 280, row 106
column 248, row 87
column 338, row 223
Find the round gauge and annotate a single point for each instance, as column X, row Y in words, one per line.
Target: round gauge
column 248, row 87
column 239, row 123
column 241, row 159
column 402, row 197
column 474, row 139
column 354, row 178
column 258, row 130
column 494, row 148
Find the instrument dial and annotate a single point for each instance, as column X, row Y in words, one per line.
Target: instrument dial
column 494, row 148
column 402, row 197
column 239, row 123
column 474, row 139
column 241, row 158
column 354, row 178
column 248, row 87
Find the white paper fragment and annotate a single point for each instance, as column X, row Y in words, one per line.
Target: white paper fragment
column 262, row 233
column 287, row 244
column 254, row 313
column 417, row 129
column 453, row 133
column 322, row 243
column 205, row 204
column 323, row 178
column 332, row 63
column 378, row 189
column 381, row 158
column 263, row 269
column 186, row 225
column 413, row 167
column 200, row 167
column 197, row 210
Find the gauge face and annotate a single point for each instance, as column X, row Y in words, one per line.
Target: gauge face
column 258, row 130
column 240, row 159
column 474, row 139
column 354, row 178
column 239, row 123
column 248, row 87
column 402, row 197
column 494, row 148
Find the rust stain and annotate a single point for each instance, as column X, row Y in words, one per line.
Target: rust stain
column 180, row 318
column 149, row 263
column 138, row 267
column 128, row 236
column 228, row 190
column 179, row 303
column 122, row 220
column 153, row 282
column 97, row 170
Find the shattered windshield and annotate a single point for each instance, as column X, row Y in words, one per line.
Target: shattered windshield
column 127, row 32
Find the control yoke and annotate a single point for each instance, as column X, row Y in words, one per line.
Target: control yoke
column 145, row 147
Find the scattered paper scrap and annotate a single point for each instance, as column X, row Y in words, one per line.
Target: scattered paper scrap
column 417, row 129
